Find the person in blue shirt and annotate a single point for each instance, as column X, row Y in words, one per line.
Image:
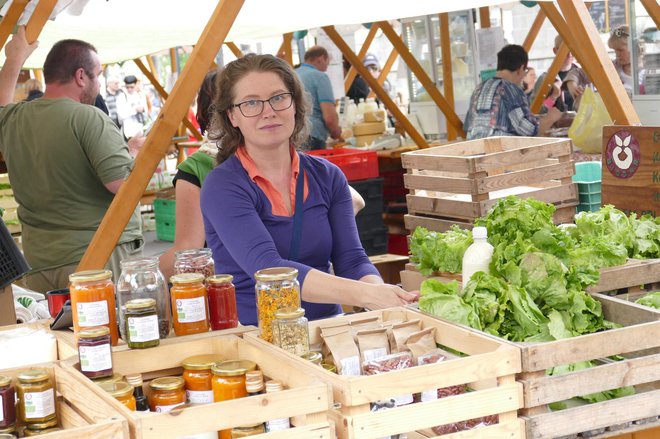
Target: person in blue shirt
column 324, row 118
column 499, row 106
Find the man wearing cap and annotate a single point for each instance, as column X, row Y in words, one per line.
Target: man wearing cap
column 324, row 118
column 132, row 107
column 371, row 63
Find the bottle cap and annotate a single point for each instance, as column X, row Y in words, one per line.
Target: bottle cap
column 254, row 381
column 274, row 386
column 479, row 233
column 134, row 379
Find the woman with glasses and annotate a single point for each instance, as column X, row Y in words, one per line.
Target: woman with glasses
column 268, row 205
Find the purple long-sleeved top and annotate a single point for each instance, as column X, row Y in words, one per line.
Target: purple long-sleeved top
column 246, row 237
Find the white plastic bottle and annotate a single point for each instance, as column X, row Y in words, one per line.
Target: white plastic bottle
column 478, row 255
column 362, row 106
column 370, row 105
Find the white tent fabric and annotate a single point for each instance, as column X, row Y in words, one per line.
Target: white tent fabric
column 126, row 29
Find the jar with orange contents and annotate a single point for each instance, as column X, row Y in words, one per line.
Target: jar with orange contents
column 93, row 301
column 229, row 383
column 189, row 304
column 198, row 377
column 166, row 394
column 122, row 392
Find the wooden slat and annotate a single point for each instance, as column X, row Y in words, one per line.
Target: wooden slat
column 524, row 177
column 447, row 69
column 623, row 276
column 653, row 8
column 10, row 19
column 380, row 92
column 352, row 72
column 420, row 73
column 234, row 49
column 441, row 184
column 382, row 76
column 436, row 224
column 287, row 53
column 549, row 78
column 560, row 25
column 534, row 31
column 158, row 139
column 484, row 17
column 39, row 17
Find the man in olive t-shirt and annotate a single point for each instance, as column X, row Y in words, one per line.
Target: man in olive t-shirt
column 66, row 160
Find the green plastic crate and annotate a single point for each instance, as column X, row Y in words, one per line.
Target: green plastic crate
column 165, row 212
column 588, row 178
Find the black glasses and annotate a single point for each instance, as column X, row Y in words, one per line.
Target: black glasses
column 619, row 33
column 254, row 107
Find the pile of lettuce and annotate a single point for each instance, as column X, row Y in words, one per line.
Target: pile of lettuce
column 651, row 300
column 439, row 252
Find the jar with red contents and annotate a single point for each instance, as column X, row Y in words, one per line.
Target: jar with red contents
column 222, row 302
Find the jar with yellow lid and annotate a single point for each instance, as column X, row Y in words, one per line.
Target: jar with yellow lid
column 141, row 320
column 291, row 330
column 122, row 392
column 229, row 383
column 275, row 288
column 166, row 394
column 247, row 430
column 189, row 304
column 36, row 396
column 7, row 403
column 198, row 377
column 93, row 301
column 41, row 428
column 95, row 352
column 114, row 378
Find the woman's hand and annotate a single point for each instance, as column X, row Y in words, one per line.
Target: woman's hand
column 388, row 296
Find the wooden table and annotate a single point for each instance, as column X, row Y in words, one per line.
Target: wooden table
column 183, row 146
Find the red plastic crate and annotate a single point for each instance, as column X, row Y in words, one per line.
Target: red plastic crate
column 356, row 165
column 397, row 244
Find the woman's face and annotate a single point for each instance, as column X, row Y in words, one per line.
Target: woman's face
column 271, row 128
column 621, row 51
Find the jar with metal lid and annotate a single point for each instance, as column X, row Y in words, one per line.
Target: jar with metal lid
column 122, row 392
column 95, row 352
column 8, row 432
column 222, row 302
column 189, row 304
column 276, row 288
column 254, row 382
column 313, row 357
column 247, row 430
column 291, row 330
column 229, row 383
column 41, row 428
column 196, row 260
column 141, row 319
column 198, row 377
column 93, row 301
column 141, row 278
column 7, row 403
column 114, row 378
column 166, row 394
column 273, row 386
column 36, row 396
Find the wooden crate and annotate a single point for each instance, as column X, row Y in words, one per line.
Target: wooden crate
column 306, row 399
column 81, row 412
column 490, row 369
column 460, row 182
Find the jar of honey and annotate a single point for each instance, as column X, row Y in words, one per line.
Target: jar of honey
column 41, row 428
column 229, row 383
column 166, row 394
column 222, row 302
column 275, row 288
column 198, row 377
column 94, row 352
column 189, row 304
column 36, row 396
column 122, row 392
column 93, row 301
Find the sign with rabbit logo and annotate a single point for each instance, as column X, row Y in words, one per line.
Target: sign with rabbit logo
column 622, row 155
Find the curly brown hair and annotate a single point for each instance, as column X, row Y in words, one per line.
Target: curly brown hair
column 228, row 137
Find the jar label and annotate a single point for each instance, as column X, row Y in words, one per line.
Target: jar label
column 95, row 358
column 199, row 396
column 191, row 310
column 141, row 329
column 167, row 408
column 93, row 313
column 429, row 395
column 39, row 404
column 278, row 424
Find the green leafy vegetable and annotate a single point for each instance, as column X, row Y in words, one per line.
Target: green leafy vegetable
column 435, row 251
column 651, row 299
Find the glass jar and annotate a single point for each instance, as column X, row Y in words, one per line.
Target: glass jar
column 291, row 331
column 222, row 302
column 166, row 394
column 141, row 402
column 273, row 386
column 36, row 396
column 7, row 403
column 122, row 392
column 95, row 352
column 197, row 260
column 247, row 430
column 198, row 377
column 142, row 327
column 229, row 379
column 189, row 304
column 313, row 357
column 276, row 288
column 93, row 301
column 8, row 432
column 114, row 378
column 140, row 278
column 41, row 428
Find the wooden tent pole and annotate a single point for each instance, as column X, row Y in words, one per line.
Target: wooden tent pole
column 423, row 78
column 234, row 49
column 152, row 65
column 373, row 83
column 387, row 67
column 164, row 95
column 10, row 19
column 158, row 139
column 653, row 8
column 447, row 73
column 352, row 73
column 284, row 52
column 550, row 76
column 560, row 25
column 534, row 31
column 39, row 75
column 484, row 17
column 603, row 73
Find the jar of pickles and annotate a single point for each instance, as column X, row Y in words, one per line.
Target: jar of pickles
column 291, row 330
column 95, row 352
column 93, row 301
column 198, row 377
column 222, row 302
column 36, row 396
column 276, row 288
column 189, row 304
column 166, row 394
column 7, row 403
column 197, row 260
column 122, row 392
column 140, row 278
column 141, row 319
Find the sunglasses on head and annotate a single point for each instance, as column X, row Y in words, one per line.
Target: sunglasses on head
column 620, row 33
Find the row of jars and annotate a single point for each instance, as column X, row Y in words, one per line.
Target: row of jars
column 31, row 401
